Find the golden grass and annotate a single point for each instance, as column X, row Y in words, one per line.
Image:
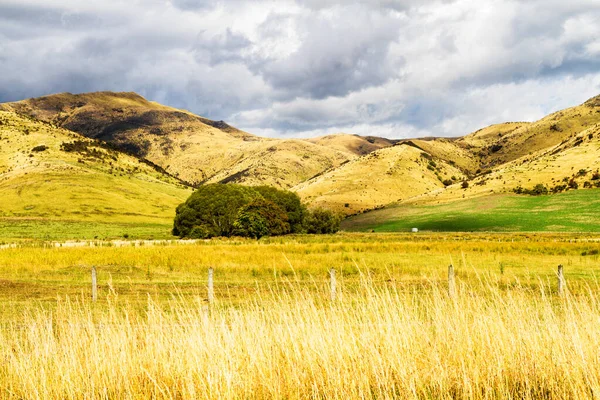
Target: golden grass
column 273, row 332
column 375, row 342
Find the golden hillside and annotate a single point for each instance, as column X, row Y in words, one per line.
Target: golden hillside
column 281, row 163
column 190, row 147
column 499, row 158
column 388, row 175
column 53, row 174
column 576, row 159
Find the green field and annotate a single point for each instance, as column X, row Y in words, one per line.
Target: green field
column 574, row 211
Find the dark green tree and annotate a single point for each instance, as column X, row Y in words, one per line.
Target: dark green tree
column 260, row 218
column 212, row 210
column 289, row 202
column 322, row 221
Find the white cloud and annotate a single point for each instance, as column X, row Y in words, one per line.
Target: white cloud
column 395, row 68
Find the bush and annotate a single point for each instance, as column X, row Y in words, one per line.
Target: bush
column 464, row 184
column 322, row 221
column 538, row 190
column 573, row 184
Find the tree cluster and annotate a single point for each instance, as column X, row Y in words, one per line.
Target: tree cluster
column 236, row 210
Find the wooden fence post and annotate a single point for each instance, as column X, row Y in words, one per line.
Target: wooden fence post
column 451, row 283
column 94, row 285
column 561, row 281
column 211, row 290
column 332, row 283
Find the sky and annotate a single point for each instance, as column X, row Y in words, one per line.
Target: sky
column 301, row 68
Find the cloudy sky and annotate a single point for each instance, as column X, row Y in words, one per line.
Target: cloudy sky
column 395, row 68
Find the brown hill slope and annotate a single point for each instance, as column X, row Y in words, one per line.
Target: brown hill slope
column 190, row 147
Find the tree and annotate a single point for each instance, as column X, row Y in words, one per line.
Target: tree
column 212, row 210
column 262, row 217
column 289, row 202
column 321, row 220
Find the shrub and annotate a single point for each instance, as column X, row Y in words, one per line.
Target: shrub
column 539, row 189
column 40, row 148
column 464, row 184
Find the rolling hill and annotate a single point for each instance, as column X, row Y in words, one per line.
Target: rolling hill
column 54, row 177
column 384, row 176
column 561, row 148
column 193, row 148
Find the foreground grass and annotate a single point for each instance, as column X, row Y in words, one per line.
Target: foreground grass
column 573, row 211
column 376, row 342
column 273, row 332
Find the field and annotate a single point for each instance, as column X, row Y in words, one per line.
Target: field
column 273, row 331
column 573, row 211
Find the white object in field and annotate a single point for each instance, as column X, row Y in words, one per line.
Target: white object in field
column 415, row 230
column 211, row 290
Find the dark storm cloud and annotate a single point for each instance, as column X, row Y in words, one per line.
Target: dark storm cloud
column 393, row 67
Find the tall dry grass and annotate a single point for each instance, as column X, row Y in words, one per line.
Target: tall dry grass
column 377, row 341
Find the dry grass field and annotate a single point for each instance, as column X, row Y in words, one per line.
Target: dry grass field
column 273, row 331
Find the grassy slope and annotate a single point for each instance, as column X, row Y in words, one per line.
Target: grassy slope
column 551, row 167
column 573, row 211
column 82, row 195
column 384, row 176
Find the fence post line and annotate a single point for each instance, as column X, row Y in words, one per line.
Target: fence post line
column 561, row 281
column 332, row 283
column 94, row 284
column 451, row 283
column 211, row 289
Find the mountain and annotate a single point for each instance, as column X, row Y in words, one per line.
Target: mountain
column 190, row 147
column 52, row 174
